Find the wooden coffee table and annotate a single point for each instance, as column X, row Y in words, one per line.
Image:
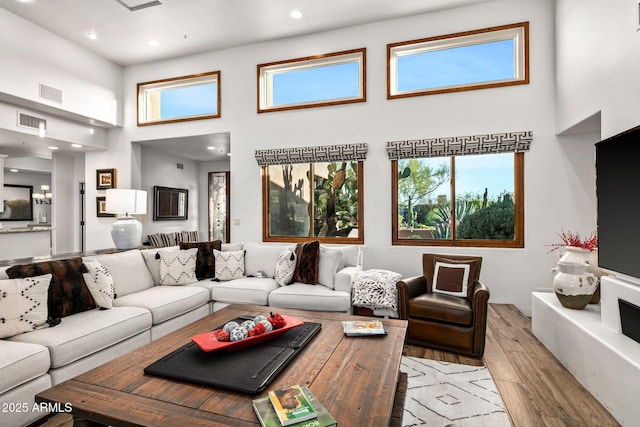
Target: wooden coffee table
column 354, row 377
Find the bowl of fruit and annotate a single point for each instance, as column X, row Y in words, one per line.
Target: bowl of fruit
column 242, row 333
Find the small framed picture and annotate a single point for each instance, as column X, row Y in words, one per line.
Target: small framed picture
column 101, row 205
column 105, row 178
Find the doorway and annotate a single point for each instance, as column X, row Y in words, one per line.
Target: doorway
column 219, row 206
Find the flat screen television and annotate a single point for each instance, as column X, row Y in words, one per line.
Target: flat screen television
column 618, row 202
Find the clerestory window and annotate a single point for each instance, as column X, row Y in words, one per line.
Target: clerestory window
column 329, row 79
column 486, row 58
column 178, row 99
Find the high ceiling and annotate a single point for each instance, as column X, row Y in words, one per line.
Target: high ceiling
column 123, row 28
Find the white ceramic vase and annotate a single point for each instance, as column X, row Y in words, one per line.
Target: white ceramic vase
column 573, row 254
column 574, row 284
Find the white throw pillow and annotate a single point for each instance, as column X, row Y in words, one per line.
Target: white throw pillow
column 261, row 258
column 23, row 304
column 350, row 256
column 285, row 267
column 129, row 272
column 152, row 260
column 100, row 283
column 328, row 266
column 229, row 265
column 231, row 247
column 178, row 267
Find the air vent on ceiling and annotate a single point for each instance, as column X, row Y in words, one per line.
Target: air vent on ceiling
column 50, row 93
column 31, row 122
column 134, row 5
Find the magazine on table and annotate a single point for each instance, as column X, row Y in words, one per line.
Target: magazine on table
column 360, row 328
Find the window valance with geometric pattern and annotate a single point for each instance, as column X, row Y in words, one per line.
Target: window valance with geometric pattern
column 509, row 142
column 318, row 154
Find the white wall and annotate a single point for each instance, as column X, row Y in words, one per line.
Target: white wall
column 552, row 167
column 68, row 172
column 91, row 85
column 598, row 63
column 160, row 169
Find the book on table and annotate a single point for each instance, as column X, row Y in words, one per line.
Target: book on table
column 291, row 405
column 268, row 418
column 361, row 328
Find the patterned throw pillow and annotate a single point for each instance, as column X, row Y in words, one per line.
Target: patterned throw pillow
column 187, row 236
column 70, row 294
column 376, row 289
column 285, row 266
column 452, row 277
column 155, row 240
column 100, row 283
column 307, row 260
column 205, row 262
column 178, row 267
column 229, row 265
column 23, row 304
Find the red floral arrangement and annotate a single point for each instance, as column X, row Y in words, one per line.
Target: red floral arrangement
column 574, row 239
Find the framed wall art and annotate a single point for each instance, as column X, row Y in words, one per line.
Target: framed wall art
column 18, row 203
column 101, row 205
column 170, row 203
column 105, row 178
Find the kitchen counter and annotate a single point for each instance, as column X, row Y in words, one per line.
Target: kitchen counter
column 23, row 242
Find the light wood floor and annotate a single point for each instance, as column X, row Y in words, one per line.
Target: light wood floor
column 535, row 388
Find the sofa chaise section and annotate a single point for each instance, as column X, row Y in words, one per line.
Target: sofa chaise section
column 23, row 374
column 86, row 334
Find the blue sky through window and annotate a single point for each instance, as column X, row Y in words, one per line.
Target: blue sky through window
column 477, row 63
column 189, row 101
column 316, row 84
column 494, row 172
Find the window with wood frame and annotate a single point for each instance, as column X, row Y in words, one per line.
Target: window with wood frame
column 465, row 191
column 319, row 200
column 316, row 81
column 178, row 99
column 479, row 59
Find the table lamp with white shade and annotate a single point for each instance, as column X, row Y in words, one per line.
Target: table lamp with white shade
column 126, row 231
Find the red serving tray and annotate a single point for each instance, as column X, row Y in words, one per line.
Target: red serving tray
column 208, row 341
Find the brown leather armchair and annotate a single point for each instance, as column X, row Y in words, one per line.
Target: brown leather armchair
column 441, row 321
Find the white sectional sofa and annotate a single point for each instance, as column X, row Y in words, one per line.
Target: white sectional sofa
column 145, row 308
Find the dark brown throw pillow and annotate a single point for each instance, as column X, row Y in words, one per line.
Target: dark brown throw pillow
column 454, row 277
column 307, row 260
column 205, row 262
column 68, row 293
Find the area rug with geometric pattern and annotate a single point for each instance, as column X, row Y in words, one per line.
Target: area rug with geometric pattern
column 443, row 394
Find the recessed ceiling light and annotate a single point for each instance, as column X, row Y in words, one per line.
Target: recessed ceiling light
column 76, row 145
column 52, row 148
column 296, row 14
column 13, row 170
column 211, row 148
column 154, row 43
column 92, row 35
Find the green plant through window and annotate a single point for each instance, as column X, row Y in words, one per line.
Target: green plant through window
column 319, row 200
column 480, row 192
